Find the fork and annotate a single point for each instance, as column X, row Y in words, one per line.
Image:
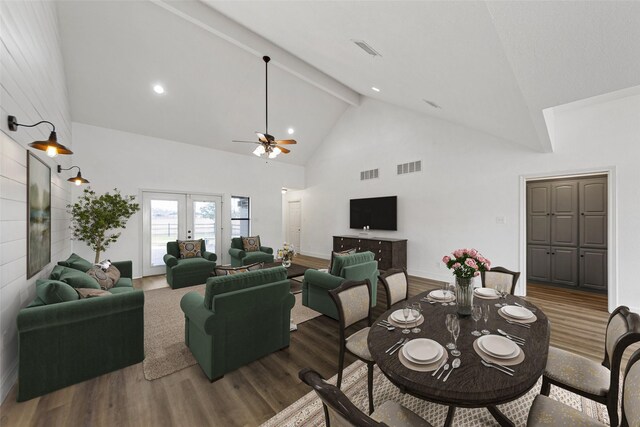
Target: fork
column 395, row 345
column 503, row 369
column 524, row 325
column 531, row 309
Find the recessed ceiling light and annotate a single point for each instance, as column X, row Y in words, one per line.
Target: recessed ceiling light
column 375, row 89
column 290, row 131
column 158, row 89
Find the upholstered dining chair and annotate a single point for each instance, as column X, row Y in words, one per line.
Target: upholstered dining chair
column 353, row 301
column 599, row 382
column 549, row 412
column 339, row 411
column 396, row 285
column 498, row 276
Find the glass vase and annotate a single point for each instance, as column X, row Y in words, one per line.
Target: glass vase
column 464, row 295
column 286, row 263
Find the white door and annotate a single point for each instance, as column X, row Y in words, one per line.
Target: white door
column 173, row 216
column 293, row 232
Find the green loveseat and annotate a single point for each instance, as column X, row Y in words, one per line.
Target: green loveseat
column 188, row 271
column 65, row 343
column 316, row 284
column 241, row 318
column 240, row 257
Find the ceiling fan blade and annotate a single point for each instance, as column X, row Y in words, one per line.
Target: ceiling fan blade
column 247, row 142
column 262, row 137
column 286, row 141
column 284, row 150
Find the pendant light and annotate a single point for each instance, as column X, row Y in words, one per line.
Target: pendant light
column 50, row 146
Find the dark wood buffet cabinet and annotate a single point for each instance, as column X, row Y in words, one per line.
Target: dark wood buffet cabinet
column 390, row 253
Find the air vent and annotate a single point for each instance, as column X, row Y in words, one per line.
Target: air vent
column 431, row 103
column 370, row 174
column 365, row 46
column 410, row 167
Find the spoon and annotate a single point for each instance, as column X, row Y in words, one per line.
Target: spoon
column 446, row 368
column 456, row 364
column 388, row 328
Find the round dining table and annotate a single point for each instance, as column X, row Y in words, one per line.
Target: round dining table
column 472, row 385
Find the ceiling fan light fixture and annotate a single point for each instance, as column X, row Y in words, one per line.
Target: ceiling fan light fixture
column 274, row 153
column 259, row 151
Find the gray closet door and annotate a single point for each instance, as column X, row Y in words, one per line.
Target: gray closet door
column 539, row 263
column 564, row 265
column 593, row 268
column 593, row 212
column 564, row 213
column 538, row 213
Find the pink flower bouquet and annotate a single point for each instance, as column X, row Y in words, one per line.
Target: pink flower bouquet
column 466, row 263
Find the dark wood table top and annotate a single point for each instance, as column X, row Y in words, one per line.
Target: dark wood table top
column 472, row 384
column 294, row 270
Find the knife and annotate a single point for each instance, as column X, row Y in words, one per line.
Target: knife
column 394, row 345
column 406, row 340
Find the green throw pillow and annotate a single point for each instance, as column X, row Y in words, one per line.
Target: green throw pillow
column 76, row 262
column 53, row 291
column 75, row 278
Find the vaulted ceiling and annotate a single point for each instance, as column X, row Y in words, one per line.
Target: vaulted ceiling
column 492, row 66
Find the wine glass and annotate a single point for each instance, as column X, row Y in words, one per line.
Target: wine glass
column 476, row 314
column 455, row 332
column 406, row 312
column 486, row 312
column 452, row 291
column 500, row 290
column 449, row 321
column 416, row 310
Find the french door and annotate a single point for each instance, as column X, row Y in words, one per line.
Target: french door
column 173, row 216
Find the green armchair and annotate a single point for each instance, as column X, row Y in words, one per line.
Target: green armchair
column 316, row 284
column 188, row 271
column 239, row 257
column 241, row 318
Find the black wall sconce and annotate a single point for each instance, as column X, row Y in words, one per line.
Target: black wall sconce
column 50, row 146
column 78, row 179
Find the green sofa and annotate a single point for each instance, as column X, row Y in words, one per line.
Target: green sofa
column 241, row 318
column 316, row 284
column 68, row 342
column 239, row 257
column 188, row 271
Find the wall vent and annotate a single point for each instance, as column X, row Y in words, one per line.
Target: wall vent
column 410, row 167
column 366, row 47
column 370, row 174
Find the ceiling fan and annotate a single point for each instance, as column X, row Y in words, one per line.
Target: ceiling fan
column 267, row 144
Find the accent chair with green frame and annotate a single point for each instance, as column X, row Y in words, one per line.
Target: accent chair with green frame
column 241, row 257
column 182, row 272
column 356, row 267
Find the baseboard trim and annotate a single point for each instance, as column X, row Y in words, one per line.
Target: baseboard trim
column 320, row 255
column 8, row 381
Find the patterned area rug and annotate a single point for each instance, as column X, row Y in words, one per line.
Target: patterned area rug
column 308, row 412
column 165, row 351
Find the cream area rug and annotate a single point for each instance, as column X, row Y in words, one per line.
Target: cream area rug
column 165, row 351
column 308, row 412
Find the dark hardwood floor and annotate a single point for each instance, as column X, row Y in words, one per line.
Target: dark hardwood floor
column 256, row 392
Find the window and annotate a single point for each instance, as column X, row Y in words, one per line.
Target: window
column 240, row 220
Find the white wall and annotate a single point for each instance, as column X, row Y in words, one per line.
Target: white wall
column 32, row 87
column 468, row 179
column 132, row 163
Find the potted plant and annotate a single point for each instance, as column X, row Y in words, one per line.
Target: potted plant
column 95, row 219
column 286, row 254
column 466, row 264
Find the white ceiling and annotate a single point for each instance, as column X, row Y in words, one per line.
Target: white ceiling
column 492, row 66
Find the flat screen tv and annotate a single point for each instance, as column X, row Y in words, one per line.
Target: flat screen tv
column 378, row 213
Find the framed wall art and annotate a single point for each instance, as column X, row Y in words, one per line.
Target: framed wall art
column 38, row 214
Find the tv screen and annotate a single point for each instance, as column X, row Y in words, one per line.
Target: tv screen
column 378, row 213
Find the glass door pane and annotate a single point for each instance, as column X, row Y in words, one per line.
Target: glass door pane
column 164, row 228
column 205, row 220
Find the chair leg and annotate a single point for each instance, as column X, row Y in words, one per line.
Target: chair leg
column 613, row 415
column 546, row 386
column 340, row 365
column 370, row 384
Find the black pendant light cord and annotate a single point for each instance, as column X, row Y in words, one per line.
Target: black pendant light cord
column 60, row 168
column 36, row 124
column 266, row 93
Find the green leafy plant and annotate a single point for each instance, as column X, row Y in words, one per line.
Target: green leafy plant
column 95, row 218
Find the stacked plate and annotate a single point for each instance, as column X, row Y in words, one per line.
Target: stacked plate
column 440, row 295
column 516, row 313
column 486, row 292
column 498, row 347
column 398, row 317
column 422, row 351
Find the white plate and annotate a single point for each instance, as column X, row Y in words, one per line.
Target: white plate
column 422, row 350
column 498, row 346
column 399, row 317
column 486, row 292
column 440, row 295
column 516, row 312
